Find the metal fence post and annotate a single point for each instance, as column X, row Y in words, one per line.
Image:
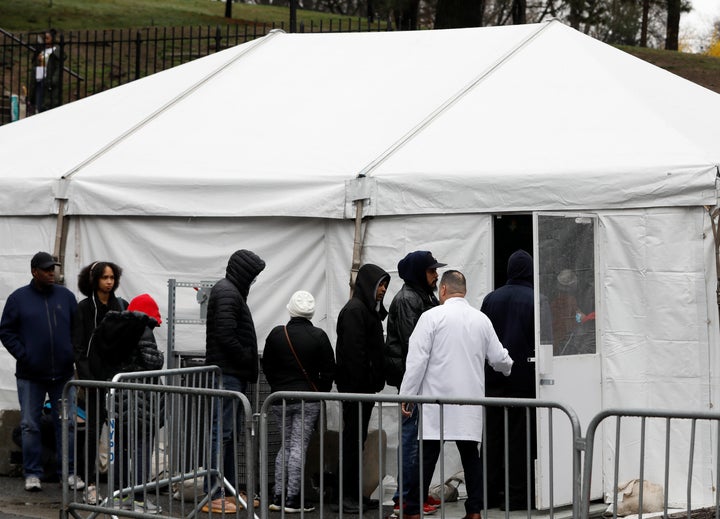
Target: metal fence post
column 138, row 43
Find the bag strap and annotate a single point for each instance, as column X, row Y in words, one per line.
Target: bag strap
column 298, row 360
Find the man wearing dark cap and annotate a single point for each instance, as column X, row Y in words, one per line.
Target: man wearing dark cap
column 418, row 270
column 36, row 328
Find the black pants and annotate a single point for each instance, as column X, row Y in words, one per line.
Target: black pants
column 356, row 418
column 472, row 466
column 517, row 456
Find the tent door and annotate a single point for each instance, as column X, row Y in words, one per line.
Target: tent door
column 567, row 359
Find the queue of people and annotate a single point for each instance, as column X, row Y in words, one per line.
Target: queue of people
column 427, row 337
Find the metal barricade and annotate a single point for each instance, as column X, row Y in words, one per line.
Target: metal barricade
column 653, row 445
column 159, row 454
column 281, row 400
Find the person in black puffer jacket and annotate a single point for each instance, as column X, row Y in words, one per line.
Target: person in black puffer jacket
column 359, row 354
column 297, row 357
column 231, row 344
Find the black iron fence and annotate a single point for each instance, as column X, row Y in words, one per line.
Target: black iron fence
column 94, row 61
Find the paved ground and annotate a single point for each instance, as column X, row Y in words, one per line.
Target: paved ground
column 16, row 503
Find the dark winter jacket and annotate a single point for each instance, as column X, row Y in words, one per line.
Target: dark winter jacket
column 409, row 303
column 360, row 342
column 90, row 312
column 36, row 328
column 231, row 343
column 312, row 347
column 124, row 342
column 511, row 310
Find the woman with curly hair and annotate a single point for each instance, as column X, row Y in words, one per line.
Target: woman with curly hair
column 98, row 282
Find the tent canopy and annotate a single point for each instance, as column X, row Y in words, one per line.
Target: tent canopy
column 529, row 117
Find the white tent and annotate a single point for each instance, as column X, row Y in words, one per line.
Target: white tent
column 268, row 145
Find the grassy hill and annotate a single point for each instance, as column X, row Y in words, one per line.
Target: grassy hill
column 700, row 69
column 36, row 15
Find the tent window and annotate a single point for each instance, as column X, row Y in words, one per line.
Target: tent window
column 566, row 258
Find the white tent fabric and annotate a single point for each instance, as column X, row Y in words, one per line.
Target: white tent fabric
column 277, row 126
column 260, row 147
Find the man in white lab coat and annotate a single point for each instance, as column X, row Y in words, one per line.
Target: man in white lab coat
column 446, row 358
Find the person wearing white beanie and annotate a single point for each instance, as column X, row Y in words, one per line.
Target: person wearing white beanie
column 302, row 304
column 297, row 357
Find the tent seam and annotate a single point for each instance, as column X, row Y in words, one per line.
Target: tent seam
column 367, row 170
column 170, row 103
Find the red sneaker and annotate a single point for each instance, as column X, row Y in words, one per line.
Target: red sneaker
column 432, row 501
column 427, row 509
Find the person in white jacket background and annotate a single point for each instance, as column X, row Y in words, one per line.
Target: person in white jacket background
column 446, row 358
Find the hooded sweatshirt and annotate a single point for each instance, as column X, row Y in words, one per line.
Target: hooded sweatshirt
column 230, row 339
column 511, row 310
column 360, row 341
column 407, row 306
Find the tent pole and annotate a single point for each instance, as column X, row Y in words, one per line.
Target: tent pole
column 714, row 213
column 61, row 239
column 357, row 243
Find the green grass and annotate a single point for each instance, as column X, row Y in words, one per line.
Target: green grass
column 34, row 15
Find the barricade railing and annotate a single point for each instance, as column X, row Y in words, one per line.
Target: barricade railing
column 323, row 453
column 159, row 458
column 653, row 444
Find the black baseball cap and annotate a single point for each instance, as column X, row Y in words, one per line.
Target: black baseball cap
column 433, row 263
column 42, row 261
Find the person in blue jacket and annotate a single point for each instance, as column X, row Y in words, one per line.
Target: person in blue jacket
column 36, row 328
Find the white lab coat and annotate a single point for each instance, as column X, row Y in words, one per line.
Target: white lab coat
column 446, row 358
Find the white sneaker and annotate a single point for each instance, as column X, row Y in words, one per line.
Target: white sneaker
column 32, row 484
column 75, row 483
column 92, row 497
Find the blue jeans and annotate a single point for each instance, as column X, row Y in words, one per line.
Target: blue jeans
column 31, row 395
column 410, row 464
column 225, row 406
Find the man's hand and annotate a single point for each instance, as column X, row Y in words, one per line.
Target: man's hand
column 407, row 408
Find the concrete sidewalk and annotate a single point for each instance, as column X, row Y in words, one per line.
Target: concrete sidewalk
column 17, row 503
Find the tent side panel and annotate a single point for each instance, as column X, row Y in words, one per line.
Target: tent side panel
column 656, row 276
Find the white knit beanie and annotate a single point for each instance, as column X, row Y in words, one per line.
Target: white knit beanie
column 302, row 304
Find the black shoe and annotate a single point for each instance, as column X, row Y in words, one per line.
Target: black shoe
column 370, row 504
column 514, row 506
column 350, row 506
column 292, row 506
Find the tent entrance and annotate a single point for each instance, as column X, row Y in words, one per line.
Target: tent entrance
column 568, row 367
column 510, row 233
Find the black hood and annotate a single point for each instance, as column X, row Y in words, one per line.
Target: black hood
column 520, row 267
column 243, row 267
column 412, row 268
column 368, row 279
